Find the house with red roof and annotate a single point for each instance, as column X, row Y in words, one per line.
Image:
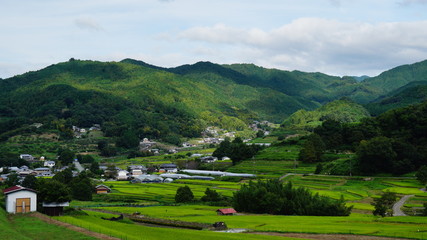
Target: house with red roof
column 20, row 199
column 226, row 211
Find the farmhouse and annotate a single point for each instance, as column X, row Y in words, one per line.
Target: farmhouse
column 20, row 199
column 226, row 211
column 168, row 167
column 122, row 175
column 208, row 159
column 26, row 157
column 49, row 164
column 102, row 189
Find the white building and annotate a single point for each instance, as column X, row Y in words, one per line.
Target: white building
column 122, row 175
column 49, row 164
column 20, row 199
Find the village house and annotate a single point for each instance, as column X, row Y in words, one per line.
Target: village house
column 49, row 164
column 42, row 170
column 146, row 144
column 208, row 159
column 168, row 167
column 102, row 189
column 226, row 211
column 20, row 199
column 122, row 175
column 26, row 157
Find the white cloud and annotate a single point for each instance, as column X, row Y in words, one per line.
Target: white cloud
column 88, row 24
column 314, row 44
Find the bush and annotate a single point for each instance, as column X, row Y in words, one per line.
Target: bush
column 275, row 198
column 184, row 194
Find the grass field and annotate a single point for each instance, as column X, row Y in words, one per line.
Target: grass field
column 165, row 192
column 408, row 227
column 24, row 227
column 129, row 230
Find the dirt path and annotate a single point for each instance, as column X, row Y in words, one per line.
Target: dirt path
column 284, row 176
column 326, row 236
column 397, row 211
column 72, row 227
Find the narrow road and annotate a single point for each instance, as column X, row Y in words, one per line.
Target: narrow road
column 399, row 204
column 78, row 166
column 72, row 227
column 284, row 176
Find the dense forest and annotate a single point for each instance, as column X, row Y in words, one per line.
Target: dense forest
column 394, row 142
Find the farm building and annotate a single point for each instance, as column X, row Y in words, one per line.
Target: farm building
column 168, row 167
column 20, row 199
column 122, row 175
column 54, row 209
column 102, row 189
column 226, row 211
column 147, row 179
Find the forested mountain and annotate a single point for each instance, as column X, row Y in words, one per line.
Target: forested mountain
column 413, row 92
column 391, row 80
column 393, row 142
column 174, row 102
column 343, row 110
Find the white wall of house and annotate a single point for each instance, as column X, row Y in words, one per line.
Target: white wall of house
column 11, row 200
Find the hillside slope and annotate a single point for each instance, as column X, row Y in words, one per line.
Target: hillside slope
column 343, row 110
column 152, row 101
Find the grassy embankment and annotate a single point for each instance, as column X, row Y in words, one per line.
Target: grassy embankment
column 25, row 227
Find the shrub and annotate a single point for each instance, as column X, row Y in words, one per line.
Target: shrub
column 275, row 198
column 184, row 194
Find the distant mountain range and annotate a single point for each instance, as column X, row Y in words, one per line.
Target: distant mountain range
column 158, row 102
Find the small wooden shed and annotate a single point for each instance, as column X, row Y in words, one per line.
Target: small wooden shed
column 20, row 199
column 226, row 211
column 102, row 189
column 54, row 208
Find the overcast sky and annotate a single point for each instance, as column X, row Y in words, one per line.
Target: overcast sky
column 337, row 37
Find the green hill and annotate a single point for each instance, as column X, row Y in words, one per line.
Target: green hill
column 391, row 80
column 150, row 100
column 412, row 93
column 343, row 110
column 163, row 102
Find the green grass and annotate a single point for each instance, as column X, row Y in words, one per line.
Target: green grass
column 279, row 153
column 409, row 227
column 165, row 192
column 271, row 169
column 23, row 227
column 128, row 230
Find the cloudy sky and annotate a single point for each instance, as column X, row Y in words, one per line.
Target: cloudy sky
column 338, row 37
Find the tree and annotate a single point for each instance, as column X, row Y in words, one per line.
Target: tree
column 81, row 188
column 94, row 168
column 312, row 149
column 376, row 155
column 50, row 190
column 65, row 176
column 128, row 140
column 275, row 198
column 102, row 144
column 422, row 175
column 183, row 195
column 30, row 181
column 108, row 151
column 66, row 156
column 384, row 204
column 111, row 171
column 12, row 180
column 211, row 196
